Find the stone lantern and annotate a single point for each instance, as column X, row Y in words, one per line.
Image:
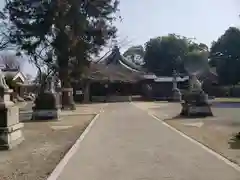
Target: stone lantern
column 10, row 127
column 47, row 103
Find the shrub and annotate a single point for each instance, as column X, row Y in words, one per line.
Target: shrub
column 235, row 91
column 217, row 91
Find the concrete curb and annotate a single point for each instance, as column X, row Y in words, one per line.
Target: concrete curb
column 209, row 150
column 63, row 114
column 59, row 168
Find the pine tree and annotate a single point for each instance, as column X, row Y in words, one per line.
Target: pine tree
column 62, row 32
column 4, row 40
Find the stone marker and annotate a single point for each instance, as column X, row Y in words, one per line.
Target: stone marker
column 47, row 103
column 10, row 128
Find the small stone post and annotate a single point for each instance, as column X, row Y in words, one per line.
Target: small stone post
column 67, row 99
column 10, row 127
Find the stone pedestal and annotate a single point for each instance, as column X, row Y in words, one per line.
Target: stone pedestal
column 196, row 104
column 196, row 110
column 67, row 99
column 47, row 106
column 10, row 128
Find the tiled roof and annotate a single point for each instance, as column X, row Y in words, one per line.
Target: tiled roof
column 112, row 72
column 115, row 57
column 114, row 68
column 14, row 74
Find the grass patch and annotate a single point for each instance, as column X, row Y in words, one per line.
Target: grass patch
column 234, row 100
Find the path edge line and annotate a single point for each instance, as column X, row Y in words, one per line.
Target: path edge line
column 211, row 151
column 60, row 166
column 206, row 148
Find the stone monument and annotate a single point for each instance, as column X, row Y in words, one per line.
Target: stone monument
column 10, row 127
column 176, row 94
column 68, row 99
column 195, row 100
column 47, row 103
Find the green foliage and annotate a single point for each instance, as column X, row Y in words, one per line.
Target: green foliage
column 197, row 47
column 223, row 91
column 62, row 34
column 225, row 56
column 196, row 61
column 164, row 54
column 235, row 91
column 4, row 40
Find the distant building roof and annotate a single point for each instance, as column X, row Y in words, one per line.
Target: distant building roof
column 112, row 73
column 115, row 67
column 14, row 74
column 170, row 79
column 116, row 58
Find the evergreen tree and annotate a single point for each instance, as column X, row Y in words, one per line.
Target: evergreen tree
column 225, row 56
column 4, row 41
column 62, row 32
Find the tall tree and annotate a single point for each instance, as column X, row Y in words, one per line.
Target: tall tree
column 225, row 56
column 164, row 54
column 193, row 46
column 196, row 61
column 4, row 40
column 62, row 32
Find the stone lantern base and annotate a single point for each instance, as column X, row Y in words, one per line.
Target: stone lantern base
column 196, row 104
column 10, row 128
column 47, row 106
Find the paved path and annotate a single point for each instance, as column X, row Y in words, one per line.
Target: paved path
column 127, row 144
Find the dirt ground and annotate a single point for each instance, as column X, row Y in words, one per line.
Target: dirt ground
column 44, row 146
column 218, row 132
column 218, row 136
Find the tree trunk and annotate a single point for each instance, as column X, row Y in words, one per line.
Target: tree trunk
column 86, row 92
column 67, row 90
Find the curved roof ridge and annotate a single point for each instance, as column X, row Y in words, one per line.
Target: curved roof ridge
column 116, row 58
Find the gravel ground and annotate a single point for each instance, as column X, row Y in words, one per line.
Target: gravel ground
column 218, row 132
column 216, row 135
column 44, row 146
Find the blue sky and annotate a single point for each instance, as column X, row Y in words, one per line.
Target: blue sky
column 204, row 20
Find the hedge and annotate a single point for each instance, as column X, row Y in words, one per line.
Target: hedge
column 223, row 91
